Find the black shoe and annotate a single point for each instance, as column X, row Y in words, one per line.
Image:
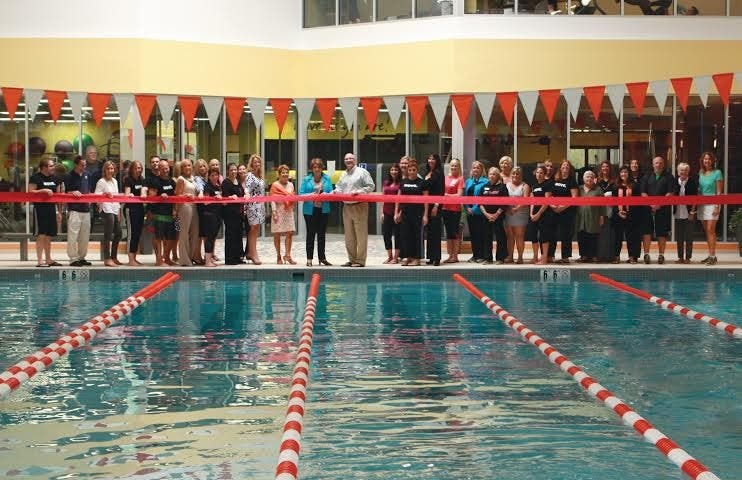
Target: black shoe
column 472, row 260
column 77, row 263
column 646, row 259
column 85, row 262
column 436, row 263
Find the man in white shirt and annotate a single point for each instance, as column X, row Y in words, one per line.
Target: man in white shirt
column 355, row 180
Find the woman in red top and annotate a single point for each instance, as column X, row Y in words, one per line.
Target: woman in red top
column 454, row 184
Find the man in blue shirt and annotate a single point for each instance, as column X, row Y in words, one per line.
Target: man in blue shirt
column 77, row 182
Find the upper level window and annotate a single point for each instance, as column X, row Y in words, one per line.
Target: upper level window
column 319, row 13
column 356, row 11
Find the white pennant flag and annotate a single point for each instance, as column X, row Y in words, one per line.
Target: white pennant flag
column 166, row 104
column 304, row 106
column 394, row 105
column 485, row 103
column 615, row 95
column 77, row 100
column 257, row 110
column 213, row 107
column 738, row 79
column 660, row 88
column 32, row 98
column 528, row 101
column 124, row 101
column 572, row 96
column 439, row 105
column 703, row 84
column 349, row 106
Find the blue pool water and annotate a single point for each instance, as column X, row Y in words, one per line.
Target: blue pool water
column 408, row 380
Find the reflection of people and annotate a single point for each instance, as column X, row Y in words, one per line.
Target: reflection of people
column 651, row 7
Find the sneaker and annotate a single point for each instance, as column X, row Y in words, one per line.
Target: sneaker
column 500, row 262
column 712, row 261
column 706, row 260
column 77, row 263
column 472, row 260
column 479, row 260
column 85, row 263
column 661, row 259
column 488, row 262
column 646, row 259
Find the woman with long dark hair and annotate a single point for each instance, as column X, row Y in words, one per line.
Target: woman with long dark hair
column 211, row 215
column 436, row 186
column 134, row 212
column 232, row 216
column 710, row 182
column 389, row 228
column 564, row 186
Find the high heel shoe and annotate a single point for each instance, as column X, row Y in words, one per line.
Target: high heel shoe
column 309, row 263
column 325, row 262
column 288, row 259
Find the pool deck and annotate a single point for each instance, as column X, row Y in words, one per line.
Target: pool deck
column 727, row 253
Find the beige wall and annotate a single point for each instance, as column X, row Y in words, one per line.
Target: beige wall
column 152, row 66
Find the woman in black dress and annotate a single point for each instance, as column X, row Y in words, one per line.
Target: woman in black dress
column 211, row 215
column 232, row 215
column 411, row 216
column 436, row 186
column 564, row 216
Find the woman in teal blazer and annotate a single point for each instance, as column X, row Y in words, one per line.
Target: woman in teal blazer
column 316, row 213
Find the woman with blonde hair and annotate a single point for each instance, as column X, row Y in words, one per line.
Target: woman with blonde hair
column 517, row 216
column 474, row 216
column 201, row 176
column 506, row 168
column 188, row 241
column 255, row 187
column 134, row 212
column 111, row 213
column 710, row 182
column 454, row 184
column 282, row 215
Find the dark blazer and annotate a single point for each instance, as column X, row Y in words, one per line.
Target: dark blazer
column 691, row 188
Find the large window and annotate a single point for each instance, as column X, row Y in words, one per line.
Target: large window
column 647, row 136
column 541, row 140
column 201, row 141
column 393, row 9
column 319, row 13
column 494, row 140
column 356, row 11
column 13, row 165
column 594, row 141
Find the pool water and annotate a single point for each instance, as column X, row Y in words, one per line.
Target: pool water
column 408, row 380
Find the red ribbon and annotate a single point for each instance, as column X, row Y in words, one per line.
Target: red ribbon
column 730, row 199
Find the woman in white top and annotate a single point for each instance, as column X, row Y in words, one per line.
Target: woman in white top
column 187, row 216
column 111, row 213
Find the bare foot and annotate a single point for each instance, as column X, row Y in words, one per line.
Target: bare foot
column 209, row 264
column 110, row 263
column 133, row 264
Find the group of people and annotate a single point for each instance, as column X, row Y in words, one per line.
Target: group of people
column 185, row 231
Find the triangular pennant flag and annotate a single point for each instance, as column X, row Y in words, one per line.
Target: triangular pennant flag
column 638, row 94
column 304, row 107
column 572, row 96
column 394, row 105
column 594, row 96
column 12, row 97
column 55, row 99
column 703, row 84
column 615, row 95
column 235, row 108
column 77, row 100
column 33, row 99
column 166, row 104
column 371, row 106
column 124, row 101
column 145, row 105
column 188, row 107
column 257, row 110
column 462, row 104
column 507, row 102
column 280, row 111
column 349, row 106
column 485, row 103
column 723, row 82
column 681, row 86
column 528, row 101
column 326, row 108
column 213, row 107
column 99, row 103
column 660, row 89
column 416, row 106
column 549, row 99
column 439, row 105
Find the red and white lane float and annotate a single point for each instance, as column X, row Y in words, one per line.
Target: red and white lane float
column 725, row 327
column 22, row 371
column 689, row 465
column 288, row 458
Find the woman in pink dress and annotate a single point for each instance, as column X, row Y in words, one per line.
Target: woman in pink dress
column 282, row 216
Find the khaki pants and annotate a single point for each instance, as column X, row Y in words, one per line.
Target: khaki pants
column 355, row 225
column 78, row 235
column 188, row 238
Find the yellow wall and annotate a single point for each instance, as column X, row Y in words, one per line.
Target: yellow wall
column 153, row 66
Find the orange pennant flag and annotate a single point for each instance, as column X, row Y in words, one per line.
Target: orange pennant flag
column 416, row 105
column 371, row 108
column 549, row 99
column 12, row 97
column 99, row 103
column 188, row 106
column 326, row 109
column 682, row 90
column 145, row 104
column 235, row 109
column 594, row 97
column 723, row 82
column 507, row 104
column 281, row 111
column 462, row 103
column 638, row 94
column 56, row 100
